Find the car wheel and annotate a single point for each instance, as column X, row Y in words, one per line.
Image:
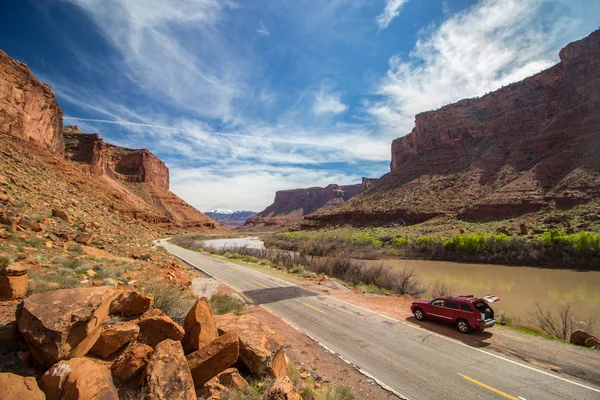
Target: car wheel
column 463, row 326
column 419, row 314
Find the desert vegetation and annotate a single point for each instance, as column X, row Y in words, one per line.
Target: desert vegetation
column 553, row 248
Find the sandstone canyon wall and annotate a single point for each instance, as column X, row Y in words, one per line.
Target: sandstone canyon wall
column 528, row 146
column 137, row 181
column 28, row 108
column 290, row 206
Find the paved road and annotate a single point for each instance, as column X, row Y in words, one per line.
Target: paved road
column 413, row 362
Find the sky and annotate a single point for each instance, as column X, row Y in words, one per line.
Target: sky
column 242, row 98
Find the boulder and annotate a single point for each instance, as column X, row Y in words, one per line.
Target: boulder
column 213, row 358
column 131, row 363
column 156, row 326
column 130, row 302
column 8, row 320
column 232, row 379
column 592, row 342
column 199, row 326
column 15, row 269
column 579, row 337
column 27, row 223
column 112, row 338
column 168, row 374
column 13, row 287
column 61, row 215
column 64, row 323
column 11, row 222
column 211, row 390
column 261, row 350
column 16, row 387
column 78, row 378
column 84, row 238
column 282, row 389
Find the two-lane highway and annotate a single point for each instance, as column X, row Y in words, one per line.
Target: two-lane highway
column 411, row 361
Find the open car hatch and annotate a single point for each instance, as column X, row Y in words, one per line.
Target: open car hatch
column 490, row 299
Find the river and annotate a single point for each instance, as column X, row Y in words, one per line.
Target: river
column 518, row 287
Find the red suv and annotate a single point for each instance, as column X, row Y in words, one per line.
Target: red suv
column 466, row 312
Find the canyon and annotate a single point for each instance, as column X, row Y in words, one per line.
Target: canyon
column 523, row 149
column 132, row 182
column 291, row 206
column 230, row 219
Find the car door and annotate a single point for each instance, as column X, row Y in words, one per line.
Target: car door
column 437, row 310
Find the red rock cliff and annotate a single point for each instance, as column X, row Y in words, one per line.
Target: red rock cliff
column 527, row 146
column 117, row 162
column 28, row 108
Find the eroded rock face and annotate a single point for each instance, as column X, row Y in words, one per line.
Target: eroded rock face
column 167, row 373
column 130, row 303
column 131, row 363
column 112, row 338
column 78, row 378
column 282, row 389
column 513, row 151
column 16, row 387
column 8, row 320
column 199, row 326
column 29, row 109
column 156, row 326
column 260, row 348
column 213, row 358
column 64, row 323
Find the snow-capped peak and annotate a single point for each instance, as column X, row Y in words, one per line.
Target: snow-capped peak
column 221, row 211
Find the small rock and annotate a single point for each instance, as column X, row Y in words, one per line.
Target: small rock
column 592, row 342
column 503, row 230
column 199, row 326
column 84, row 238
column 214, row 358
column 112, row 338
column 13, row 287
column 48, row 245
column 304, row 375
column 168, row 374
column 8, row 321
column 282, row 389
column 16, row 387
column 61, row 215
column 156, row 326
column 579, row 337
column 30, row 224
column 211, row 390
column 91, row 273
column 130, row 364
column 78, row 378
column 15, row 269
column 130, row 302
column 232, row 379
column 524, row 229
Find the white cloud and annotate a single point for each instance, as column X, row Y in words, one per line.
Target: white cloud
column 491, row 44
column 328, row 103
column 263, row 30
column 392, row 10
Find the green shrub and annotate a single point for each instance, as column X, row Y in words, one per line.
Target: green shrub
column 35, row 242
column 366, row 239
column 338, row 393
column 224, row 304
column 170, row 299
column 75, row 248
column 428, row 240
column 401, row 241
column 72, row 263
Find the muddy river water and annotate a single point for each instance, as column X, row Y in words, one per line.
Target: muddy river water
column 518, row 287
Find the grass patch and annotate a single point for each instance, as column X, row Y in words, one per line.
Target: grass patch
column 75, row 248
column 337, row 393
column 170, row 299
column 4, row 263
column 225, row 304
column 61, row 278
column 35, row 242
column 72, row 263
column 530, row 331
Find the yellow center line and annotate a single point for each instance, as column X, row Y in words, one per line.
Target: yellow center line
column 314, row 308
column 262, row 284
column 483, row 385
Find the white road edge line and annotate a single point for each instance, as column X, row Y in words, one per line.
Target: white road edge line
column 414, row 327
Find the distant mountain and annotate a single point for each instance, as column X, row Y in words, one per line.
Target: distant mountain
column 231, row 219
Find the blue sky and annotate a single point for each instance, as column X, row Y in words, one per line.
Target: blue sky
column 243, row 98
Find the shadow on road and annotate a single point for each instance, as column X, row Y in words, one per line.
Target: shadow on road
column 473, row 339
column 272, row 295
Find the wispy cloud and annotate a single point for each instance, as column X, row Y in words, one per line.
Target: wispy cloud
column 263, row 30
column 328, row 103
column 392, row 10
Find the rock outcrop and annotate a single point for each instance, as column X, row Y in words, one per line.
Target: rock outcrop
column 64, row 323
column 290, row 206
column 28, row 108
column 520, row 149
column 230, row 219
column 16, row 387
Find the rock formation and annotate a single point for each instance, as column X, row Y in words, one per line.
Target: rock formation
column 230, row 219
column 518, row 150
column 28, row 108
column 290, row 206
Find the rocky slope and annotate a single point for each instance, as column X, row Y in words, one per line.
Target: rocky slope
column 41, row 157
column 290, row 206
column 530, row 146
column 230, row 219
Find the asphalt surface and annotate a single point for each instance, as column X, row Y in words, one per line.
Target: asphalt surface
column 409, row 360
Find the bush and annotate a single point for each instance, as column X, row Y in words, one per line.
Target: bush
column 562, row 325
column 75, row 248
column 441, row 289
column 224, row 304
column 72, row 263
column 338, row 393
column 170, row 299
column 401, row 241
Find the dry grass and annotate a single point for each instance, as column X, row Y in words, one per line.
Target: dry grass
column 225, row 304
column 170, row 299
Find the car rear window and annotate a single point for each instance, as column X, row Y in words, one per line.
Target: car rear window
column 465, row 307
column 452, row 304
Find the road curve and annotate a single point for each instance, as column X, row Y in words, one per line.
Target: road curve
column 409, row 360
